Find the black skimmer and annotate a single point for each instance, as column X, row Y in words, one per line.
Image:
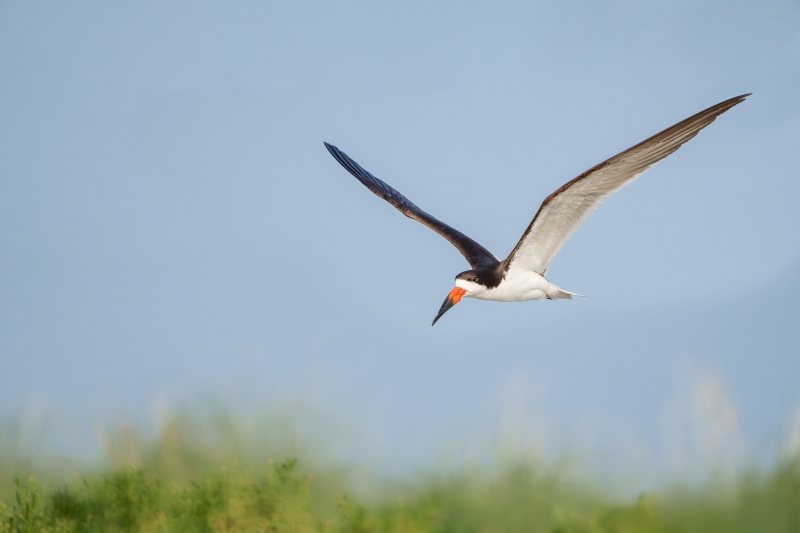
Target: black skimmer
column 520, row 276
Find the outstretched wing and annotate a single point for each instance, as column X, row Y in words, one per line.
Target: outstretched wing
column 562, row 213
column 476, row 254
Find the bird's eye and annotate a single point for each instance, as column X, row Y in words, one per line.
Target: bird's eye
column 473, row 278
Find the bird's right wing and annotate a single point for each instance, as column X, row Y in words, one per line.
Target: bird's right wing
column 475, row 254
column 563, row 212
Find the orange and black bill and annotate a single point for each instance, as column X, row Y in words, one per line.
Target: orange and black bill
column 452, row 299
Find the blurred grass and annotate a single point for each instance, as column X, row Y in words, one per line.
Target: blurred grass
column 207, row 474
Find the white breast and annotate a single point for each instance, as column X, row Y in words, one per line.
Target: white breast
column 518, row 286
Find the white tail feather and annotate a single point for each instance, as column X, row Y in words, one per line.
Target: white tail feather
column 566, row 295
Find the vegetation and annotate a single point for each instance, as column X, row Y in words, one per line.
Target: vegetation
column 188, row 481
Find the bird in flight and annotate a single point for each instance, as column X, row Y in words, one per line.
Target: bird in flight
column 520, row 276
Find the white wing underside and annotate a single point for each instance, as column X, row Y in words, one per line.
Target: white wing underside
column 563, row 212
column 561, row 218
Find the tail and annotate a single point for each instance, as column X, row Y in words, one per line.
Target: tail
column 561, row 294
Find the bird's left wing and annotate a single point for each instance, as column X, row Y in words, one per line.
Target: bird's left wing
column 563, row 212
column 475, row 254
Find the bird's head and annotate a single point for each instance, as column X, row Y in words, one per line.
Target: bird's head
column 467, row 284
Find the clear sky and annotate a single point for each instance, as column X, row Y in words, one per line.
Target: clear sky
column 171, row 224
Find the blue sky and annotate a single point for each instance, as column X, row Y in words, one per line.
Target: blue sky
column 171, row 224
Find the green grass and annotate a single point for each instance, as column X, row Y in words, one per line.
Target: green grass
column 189, row 479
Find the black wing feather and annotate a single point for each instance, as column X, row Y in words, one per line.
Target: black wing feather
column 476, row 255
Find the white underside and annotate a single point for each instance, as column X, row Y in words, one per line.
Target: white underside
column 518, row 286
